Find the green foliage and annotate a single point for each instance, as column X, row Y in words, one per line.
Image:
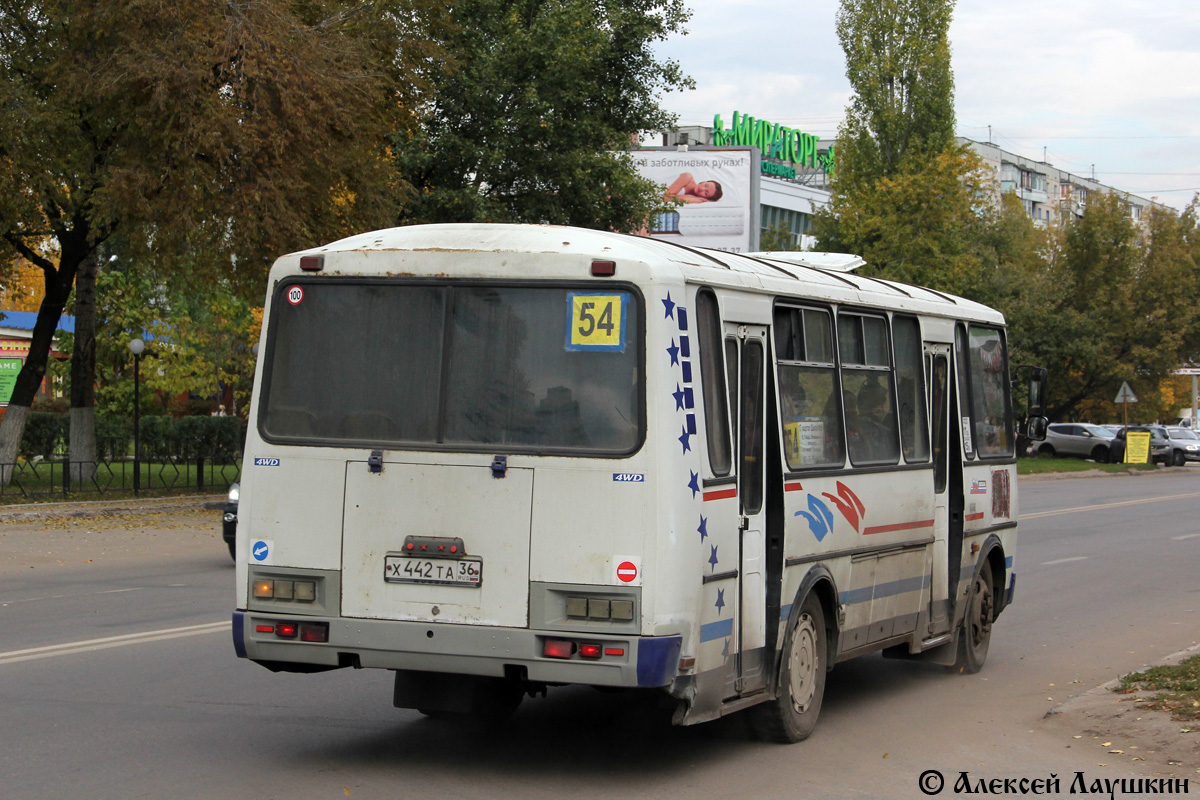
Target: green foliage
column 43, row 434
column 777, row 239
column 898, row 64
column 904, row 193
column 530, row 115
column 1097, row 301
column 161, row 437
column 917, row 226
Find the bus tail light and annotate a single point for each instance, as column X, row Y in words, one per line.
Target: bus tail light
column 286, row 630
column 591, row 650
column 557, row 648
column 314, row 632
column 604, row 269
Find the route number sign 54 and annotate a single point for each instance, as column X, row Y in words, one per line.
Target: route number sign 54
column 596, row 321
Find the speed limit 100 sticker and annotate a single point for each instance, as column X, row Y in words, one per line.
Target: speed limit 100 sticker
column 295, row 295
column 596, row 321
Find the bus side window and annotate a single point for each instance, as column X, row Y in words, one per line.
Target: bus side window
column 910, row 389
column 810, row 410
column 990, row 403
column 713, row 384
column 867, row 385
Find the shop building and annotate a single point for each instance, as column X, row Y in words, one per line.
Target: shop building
column 792, row 170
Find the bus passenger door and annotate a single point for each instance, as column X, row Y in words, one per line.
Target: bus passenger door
column 938, row 366
column 749, row 342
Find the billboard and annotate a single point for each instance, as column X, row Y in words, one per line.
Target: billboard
column 715, row 195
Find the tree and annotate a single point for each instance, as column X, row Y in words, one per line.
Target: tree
column 180, row 125
column 1111, row 304
column 904, row 193
column 529, row 118
column 777, row 238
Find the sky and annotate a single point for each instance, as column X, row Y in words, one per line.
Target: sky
column 1084, row 85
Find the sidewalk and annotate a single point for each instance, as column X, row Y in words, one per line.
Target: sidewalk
column 30, row 512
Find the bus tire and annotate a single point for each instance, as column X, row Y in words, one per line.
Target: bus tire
column 976, row 632
column 792, row 714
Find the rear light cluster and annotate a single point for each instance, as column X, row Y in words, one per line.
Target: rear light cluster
column 299, row 591
column 565, row 648
column 595, row 608
column 304, row 631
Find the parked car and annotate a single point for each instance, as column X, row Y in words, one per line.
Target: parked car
column 1161, row 451
column 229, row 519
column 1184, row 442
column 1078, row 439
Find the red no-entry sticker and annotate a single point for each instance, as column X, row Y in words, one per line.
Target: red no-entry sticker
column 626, row 571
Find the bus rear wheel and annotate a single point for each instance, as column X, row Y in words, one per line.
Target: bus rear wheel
column 792, row 715
column 976, row 634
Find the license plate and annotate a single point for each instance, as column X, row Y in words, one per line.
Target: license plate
column 437, row 571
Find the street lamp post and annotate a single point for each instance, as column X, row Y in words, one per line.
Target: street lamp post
column 137, row 347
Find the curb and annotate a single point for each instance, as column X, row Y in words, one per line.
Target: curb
column 1105, row 689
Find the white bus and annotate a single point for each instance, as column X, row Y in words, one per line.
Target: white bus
column 499, row 458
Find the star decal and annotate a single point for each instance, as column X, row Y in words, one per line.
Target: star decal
column 703, row 529
column 694, row 484
column 669, row 305
column 686, row 440
column 673, row 351
column 713, row 558
column 679, row 396
column 720, row 600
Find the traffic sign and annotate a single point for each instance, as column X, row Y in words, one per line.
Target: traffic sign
column 1126, row 394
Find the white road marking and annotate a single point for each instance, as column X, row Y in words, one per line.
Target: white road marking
column 118, row 591
column 72, row 648
column 1046, row 563
column 1181, row 538
column 1056, row 512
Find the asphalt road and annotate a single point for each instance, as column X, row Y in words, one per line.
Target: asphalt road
column 118, row 680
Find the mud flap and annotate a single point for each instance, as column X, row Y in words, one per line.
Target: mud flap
column 945, row 654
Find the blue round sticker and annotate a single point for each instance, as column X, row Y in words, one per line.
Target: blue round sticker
column 260, row 550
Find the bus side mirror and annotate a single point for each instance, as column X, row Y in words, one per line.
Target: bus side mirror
column 1036, row 421
column 1037, row 391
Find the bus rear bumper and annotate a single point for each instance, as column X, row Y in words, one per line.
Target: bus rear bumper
column 623, row 661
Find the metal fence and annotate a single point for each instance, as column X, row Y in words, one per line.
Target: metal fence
column 117, row 472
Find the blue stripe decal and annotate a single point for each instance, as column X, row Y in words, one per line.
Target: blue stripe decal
column 239, row 643
column 1008, row 562
column 890, row 589
column 785, row 612
column 716, row 630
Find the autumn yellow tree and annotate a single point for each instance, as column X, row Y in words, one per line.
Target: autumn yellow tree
column 213, row 135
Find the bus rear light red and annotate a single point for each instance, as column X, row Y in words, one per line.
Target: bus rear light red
column 604, row 269
column 314, row 632
column 264, row 629
column 557, row 648
column 286, row 630
column 591, row 650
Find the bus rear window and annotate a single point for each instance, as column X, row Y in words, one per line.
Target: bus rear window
column 460, row 366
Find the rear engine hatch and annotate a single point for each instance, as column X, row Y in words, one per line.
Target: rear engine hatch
column 475, row 532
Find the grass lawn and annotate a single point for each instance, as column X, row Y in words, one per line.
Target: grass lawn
column 1041, row 465
column 1176, row 688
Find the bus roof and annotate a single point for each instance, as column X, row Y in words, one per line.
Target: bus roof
column 825, row 276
